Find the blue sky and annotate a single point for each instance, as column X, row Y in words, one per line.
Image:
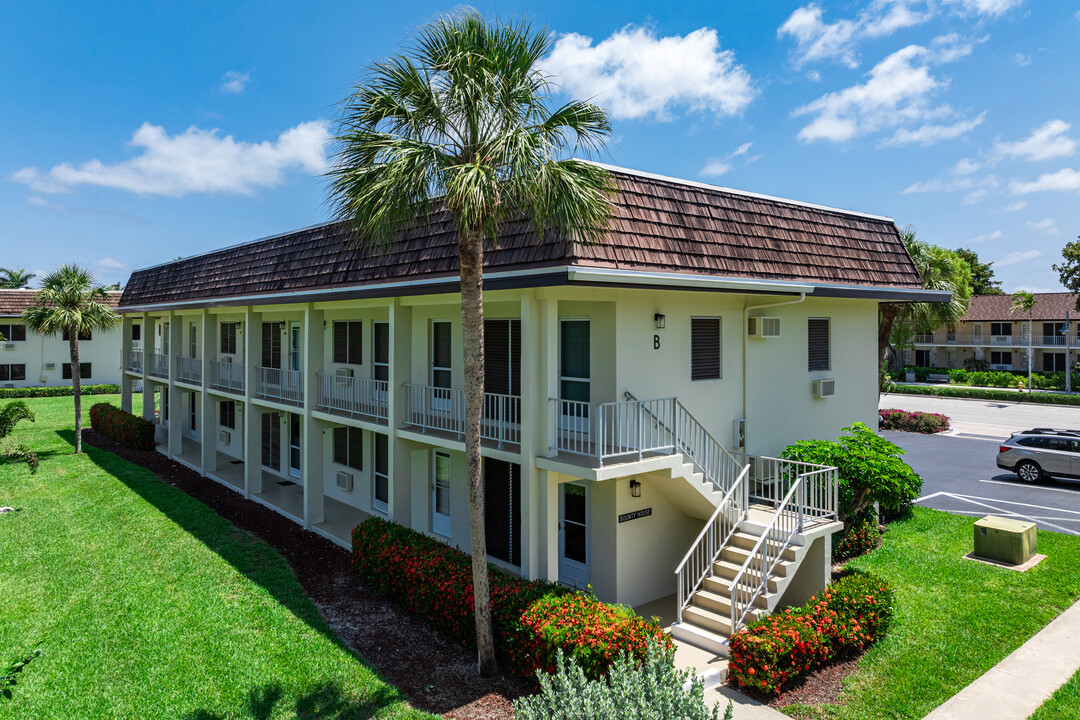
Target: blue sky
column 135, row 133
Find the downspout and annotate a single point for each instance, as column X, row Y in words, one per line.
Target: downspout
column 745, row 316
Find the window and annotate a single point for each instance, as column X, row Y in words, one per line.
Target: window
column 1053, row 362
column 704, row 348
column 349, row 447
column 381, row 486
column 84, row 371
column 819, row 357
column 271, row 440
column 922, row 358
column 440, row 354
column 1001, row 328
column 1001, row 357
column 12, row 372
column 348, row 342
column 136, row 332
column 380, row 352
column 227, row 414
column 13, row 333
column 193, row 341
column 228, row 337
column 83, row 335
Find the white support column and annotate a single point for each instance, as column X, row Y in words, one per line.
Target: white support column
column 176, row 404
column 209, row 427
column 149, row 345
column 400, row 460
column 548, row 352
column 125, row 351
column 533, row 416
column 311, row 450
column 252, row 416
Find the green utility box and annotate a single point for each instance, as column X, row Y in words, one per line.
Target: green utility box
column 1004, row 540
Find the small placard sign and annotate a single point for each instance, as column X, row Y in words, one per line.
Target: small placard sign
column 635, row 515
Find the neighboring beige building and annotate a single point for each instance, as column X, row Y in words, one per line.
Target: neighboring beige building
column 634, row 387
column 28, row 359
column 992, row 331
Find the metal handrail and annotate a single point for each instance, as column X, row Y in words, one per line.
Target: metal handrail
column 188, row 370
column 353, row 396
column 286, row 386
column 705, row 548
column 159, row 365
column 135, row 361
column 227, row 376
column 443, row 410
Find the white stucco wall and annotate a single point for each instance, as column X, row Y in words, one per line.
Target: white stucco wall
column 102, row 351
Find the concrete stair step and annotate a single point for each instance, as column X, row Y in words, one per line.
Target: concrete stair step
column 713, row 622
column 699, row 637
column 728, row 569
column 738, row 554
column 719, row 585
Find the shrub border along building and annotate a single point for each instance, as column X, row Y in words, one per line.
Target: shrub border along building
column 988, row 394
column 532, row 619
column 914, row 421
column 61, row 391
column 129, row 430
column 770, row 654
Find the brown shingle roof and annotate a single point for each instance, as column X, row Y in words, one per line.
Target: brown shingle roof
column 15, row 302
column 1048, row 306
column 659, row 225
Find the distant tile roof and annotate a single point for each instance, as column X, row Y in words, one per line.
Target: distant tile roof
column 1048, row 306
column 660, row 225
column 15, row 302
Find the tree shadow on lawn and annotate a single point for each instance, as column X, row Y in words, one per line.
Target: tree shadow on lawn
column 325, row 702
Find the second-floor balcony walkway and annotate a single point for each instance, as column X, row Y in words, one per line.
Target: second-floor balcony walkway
column 277, row 385
column 442, row 410
column 159, row 365
column 362, row 398
column 227, row 376
column 135, row 361
column 189, row 370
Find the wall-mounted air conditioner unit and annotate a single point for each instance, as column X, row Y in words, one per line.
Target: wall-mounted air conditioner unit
column 9, row 385
column 225, row 436
column 344, row 372
column 763, row 327
column 50, row 366
column 824, row 388
column 345, row 481
column 9, row 346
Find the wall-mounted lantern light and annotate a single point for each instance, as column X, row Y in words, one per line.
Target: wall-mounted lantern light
column 635, row 488
column 658, row 320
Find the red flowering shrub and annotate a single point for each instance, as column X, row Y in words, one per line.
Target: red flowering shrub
column 130, row 430
column 769, row 654
column 530, row 618
column 859, row 539
column 918, row 422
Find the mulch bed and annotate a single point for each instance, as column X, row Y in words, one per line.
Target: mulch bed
column 437, row 674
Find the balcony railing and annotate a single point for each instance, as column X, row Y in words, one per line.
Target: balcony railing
column 617, row 430
column 443, row 410
column 159, row 365
column 188, row 370
column 1052, row 340
column 135, row 361
column 925, row 338
column 352, row 396
column 1001, row 340
column 227, row 376
column 284, row 386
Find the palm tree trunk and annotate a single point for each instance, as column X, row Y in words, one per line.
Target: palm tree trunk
column 471, row 259
column 76, row 384
column 889, row 313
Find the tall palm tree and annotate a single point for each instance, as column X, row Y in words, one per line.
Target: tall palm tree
column 939, row 269
column 71, row 301
column 1024, row 301
column 462, row 121
column 11, row 278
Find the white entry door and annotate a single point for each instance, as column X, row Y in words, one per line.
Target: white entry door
column 294, row 445
column 440, row 494
column 574, row 535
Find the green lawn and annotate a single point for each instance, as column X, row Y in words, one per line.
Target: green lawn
column 147, row 604
column 1065, row 703
column 954, row 618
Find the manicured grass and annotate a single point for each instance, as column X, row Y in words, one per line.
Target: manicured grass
column 954, row 618
column 145, row 603
column 1064, row 704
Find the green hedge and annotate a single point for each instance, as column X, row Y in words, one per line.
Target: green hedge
column 770, row 654
column 123, row 427
column 36, row 392
column 989, row 394
column 1040, row 380
column 532, row 620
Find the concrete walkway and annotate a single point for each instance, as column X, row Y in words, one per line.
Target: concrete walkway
column 1019, row 684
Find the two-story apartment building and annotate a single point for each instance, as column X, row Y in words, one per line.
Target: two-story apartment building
column 992, row 331
column 630, row 385
column 29, row 359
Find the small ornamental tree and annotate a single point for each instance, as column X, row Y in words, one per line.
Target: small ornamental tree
column 10, row 415
column 870, row 471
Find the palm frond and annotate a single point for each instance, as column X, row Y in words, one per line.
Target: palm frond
column 11, row 414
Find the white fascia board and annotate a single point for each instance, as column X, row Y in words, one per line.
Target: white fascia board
column 634, row 277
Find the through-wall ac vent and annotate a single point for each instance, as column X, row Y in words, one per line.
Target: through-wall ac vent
column 345, row 481
column 824, row 388
column 9, row 346
column 50, row 366
column 763, row 327
column 225, row 436
column 9, row 386
column 344, row 372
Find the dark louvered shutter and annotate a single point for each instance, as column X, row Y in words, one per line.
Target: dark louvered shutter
column 271, row 440
column 818, row 344
column 497, row 357
column 356, row 343
column 271, row 345
column 341, row 445
column 704, row 348
column 341, row 342
column 502, row 510
column 356, row 448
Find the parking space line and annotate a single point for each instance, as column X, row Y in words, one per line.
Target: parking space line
column 1014, row 502
column 930, row 497
column 1008, row 513
column 1031, row 487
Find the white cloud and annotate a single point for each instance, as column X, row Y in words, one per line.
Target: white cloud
column 1048, row 226
column 1021, row 59
column 742, row 149
column 897, row 93
column 988, row 236
column 714, row 167
column 195, row 161
column 109, row 263
column 955, row 183
column 817, row 40
column 1045, row 143
column 976, row 196
column 1064, row 179
column 992, row 8
column 636, row 75
column 1014, row 206
column 234, row 82
column 1015, row 258
column 930, row 133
